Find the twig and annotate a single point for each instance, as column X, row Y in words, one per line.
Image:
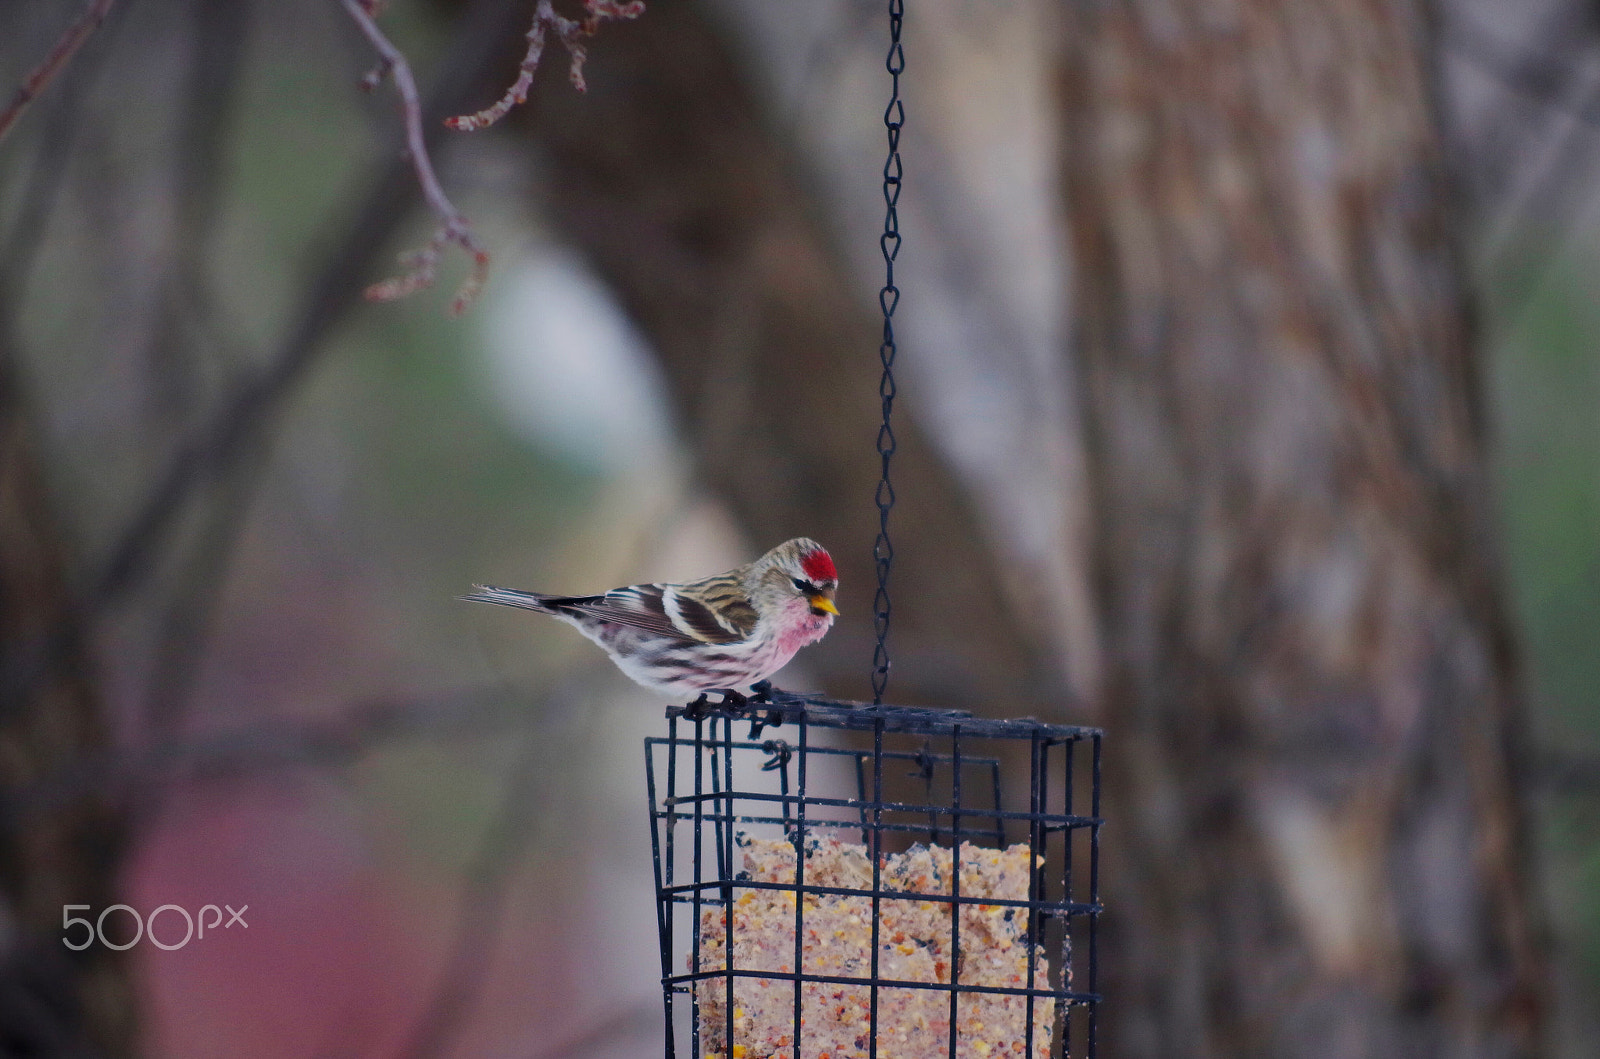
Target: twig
column 45, row 183
column 185, row 628
column 42, row 74
column 422, row 265
column 172, row 348
column 241, row 420
column 214, row 448
column 571, row 33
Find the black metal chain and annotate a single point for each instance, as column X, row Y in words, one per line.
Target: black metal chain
column 894, row 119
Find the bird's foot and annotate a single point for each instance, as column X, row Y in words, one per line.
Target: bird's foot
column 761, row 692
column 734, row 704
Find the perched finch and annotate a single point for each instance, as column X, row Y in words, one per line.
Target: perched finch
column 721, row 633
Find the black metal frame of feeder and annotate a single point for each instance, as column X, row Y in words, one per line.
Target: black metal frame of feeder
column 701, row 796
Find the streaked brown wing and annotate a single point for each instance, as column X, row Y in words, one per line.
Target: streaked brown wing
column 637, row 606
column 702, row 621
column 717, row 608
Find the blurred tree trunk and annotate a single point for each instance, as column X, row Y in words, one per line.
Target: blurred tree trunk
column 1310, row 684
column 53, row 1001
column 671, row 179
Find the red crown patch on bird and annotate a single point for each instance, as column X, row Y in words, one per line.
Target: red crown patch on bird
column 818, row 566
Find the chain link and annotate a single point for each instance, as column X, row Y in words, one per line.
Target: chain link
column 894, row 119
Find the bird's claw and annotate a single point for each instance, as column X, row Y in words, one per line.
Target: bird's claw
column 761, row 692
column 734, row 704
column 731, row 705
column 698, row 709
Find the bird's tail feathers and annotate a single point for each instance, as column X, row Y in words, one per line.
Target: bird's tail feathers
column 511, row 597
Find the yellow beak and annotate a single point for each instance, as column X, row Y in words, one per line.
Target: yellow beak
column 821, row 602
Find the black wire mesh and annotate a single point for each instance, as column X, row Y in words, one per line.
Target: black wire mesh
column 810, row 878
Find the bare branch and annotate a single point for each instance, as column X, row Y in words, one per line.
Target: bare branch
column 571, row 33
column 59, row 56
column 215, row 449
column 185, row 628
column 331, row 742
column 422, row 265
column 185, row 315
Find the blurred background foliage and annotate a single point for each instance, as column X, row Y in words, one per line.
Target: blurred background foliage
column 436, row 814
column 1546, row 384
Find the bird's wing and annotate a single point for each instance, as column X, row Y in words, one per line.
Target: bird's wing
column 715, row 609
column 637, row 606
column 664, row 610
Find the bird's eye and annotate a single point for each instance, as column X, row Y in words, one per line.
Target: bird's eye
column 805, row 588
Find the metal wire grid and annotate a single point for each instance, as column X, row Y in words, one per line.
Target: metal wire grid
column 692, row 789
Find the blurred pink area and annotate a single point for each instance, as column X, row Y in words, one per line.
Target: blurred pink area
column 332, row 950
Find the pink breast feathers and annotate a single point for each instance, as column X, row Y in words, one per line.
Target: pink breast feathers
column 818, row 566
column 807, row 630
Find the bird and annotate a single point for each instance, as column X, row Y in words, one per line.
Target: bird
column 721, row 633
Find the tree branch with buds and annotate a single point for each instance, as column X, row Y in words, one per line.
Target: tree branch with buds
column 422, row 264
column 66, row 47
column 572, row 33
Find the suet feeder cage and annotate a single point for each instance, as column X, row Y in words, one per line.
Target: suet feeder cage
column 850, row 880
